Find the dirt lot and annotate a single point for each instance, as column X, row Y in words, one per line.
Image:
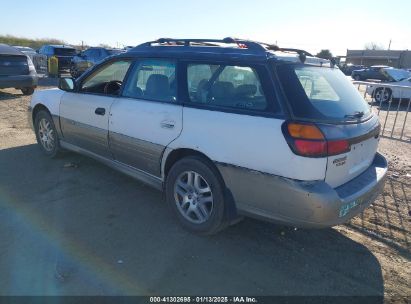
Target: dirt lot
column 88, row 230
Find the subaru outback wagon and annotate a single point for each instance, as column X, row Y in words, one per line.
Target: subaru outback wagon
column 226, row 128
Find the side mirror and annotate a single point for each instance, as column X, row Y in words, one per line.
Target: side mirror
column 67, row 84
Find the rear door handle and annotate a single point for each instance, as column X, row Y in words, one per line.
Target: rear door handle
column 167, row 124
column 100, row 111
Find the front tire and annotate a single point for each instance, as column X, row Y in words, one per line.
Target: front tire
column 27, row 91
column 46, row 134
column 382, row 95
column 195, row 193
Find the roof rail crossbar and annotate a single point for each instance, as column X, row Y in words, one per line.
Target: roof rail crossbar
column 298, row 51
column 246, row 44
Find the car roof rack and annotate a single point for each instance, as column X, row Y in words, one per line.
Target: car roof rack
column 253, row 46
column 241, row 43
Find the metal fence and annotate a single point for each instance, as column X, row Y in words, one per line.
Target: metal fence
column 392, row 104
column 40, row 63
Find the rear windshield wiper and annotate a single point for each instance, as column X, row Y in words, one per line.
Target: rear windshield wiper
column 356, row 115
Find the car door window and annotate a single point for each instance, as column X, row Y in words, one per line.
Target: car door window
column 153, row 79
column 107, row 79
column 227, row 86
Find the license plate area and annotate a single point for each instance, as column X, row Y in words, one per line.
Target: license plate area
column 346, row 208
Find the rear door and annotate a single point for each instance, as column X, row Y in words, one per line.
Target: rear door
column 84, row 115
column 147, row 117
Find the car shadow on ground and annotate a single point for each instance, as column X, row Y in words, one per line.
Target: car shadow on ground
column 7, row 96
column 112, row 235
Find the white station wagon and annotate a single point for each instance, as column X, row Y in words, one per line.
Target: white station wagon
column 227, row 128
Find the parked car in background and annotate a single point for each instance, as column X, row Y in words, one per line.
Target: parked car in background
column 63, row 53
column 347, row 69
column 27, row 50
column 373, row 72
column 90, row 57
column 226, row 128
column 391, row 88
column 16, row 70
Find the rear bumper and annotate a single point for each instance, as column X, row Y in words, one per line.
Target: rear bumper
column 18, row 82
column 303, row 204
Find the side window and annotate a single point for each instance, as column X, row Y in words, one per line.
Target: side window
column 107, row 79
column 153, row 79
column 226, row 86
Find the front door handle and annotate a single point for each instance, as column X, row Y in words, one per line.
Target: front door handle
column 167, row 124
column 100, row 111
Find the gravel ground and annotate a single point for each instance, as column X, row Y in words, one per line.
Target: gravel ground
column 128, row 252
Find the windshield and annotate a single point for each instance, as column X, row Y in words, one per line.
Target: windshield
column 321, row 94
column 397, row 74
column 64, row 51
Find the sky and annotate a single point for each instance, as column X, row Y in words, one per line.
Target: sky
column 310, row 25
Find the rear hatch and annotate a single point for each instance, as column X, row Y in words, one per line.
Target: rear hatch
column 13, row 65
column 324, row 98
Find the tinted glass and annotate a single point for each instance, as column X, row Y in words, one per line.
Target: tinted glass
column 152, row 79
column 115, row 71
column 321, row 93
column 225, row 86
column 64, row 51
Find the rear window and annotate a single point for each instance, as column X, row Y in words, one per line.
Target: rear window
column 321, row 93
column 226, row 86
column 64, row 51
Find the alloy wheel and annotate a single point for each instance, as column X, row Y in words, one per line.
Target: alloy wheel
column 193, row 197
column 382, row 95
column 46, row 134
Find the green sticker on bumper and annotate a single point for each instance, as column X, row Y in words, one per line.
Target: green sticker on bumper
column 347, row 207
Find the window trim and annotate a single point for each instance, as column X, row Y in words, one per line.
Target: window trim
column 266, row 83
column 136, row 61
column 99, row 67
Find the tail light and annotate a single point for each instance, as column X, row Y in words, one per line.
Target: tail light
column 308, row 140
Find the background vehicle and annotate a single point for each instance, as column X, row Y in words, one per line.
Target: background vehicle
column 373, row 72
column 347, row 69
column 63, row 53
column 397, row 77
column 17, row 70
column 205, row 121
column 27, row 50
column 90, row 57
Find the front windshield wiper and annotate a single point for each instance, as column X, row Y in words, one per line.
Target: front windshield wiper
column 356, row 115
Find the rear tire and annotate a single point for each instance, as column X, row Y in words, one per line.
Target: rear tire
column 195, row 193
column 46, row 134
column 27, row 91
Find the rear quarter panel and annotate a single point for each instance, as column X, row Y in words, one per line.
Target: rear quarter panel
column 250, row 142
